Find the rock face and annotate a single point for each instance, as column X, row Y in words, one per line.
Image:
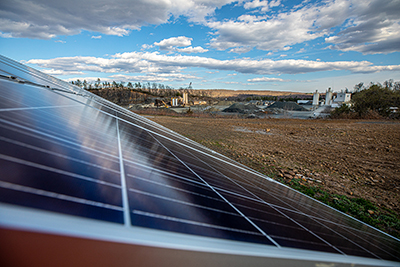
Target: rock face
column 242, row 108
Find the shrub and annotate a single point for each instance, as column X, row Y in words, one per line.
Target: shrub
column 373, row 102
column 342, row 112
column 376, row 98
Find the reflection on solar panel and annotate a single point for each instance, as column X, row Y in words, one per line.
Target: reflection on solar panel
column 77, row 167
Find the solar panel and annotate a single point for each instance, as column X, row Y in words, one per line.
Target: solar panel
column 73, row 164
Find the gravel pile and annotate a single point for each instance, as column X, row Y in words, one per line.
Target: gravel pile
column 211, row 110
column 242, row 108
column 287, row 106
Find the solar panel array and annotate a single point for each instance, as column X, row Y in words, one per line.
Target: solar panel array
column 65, row 150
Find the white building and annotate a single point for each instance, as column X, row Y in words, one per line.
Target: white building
column 342, row 97
column 331, row 99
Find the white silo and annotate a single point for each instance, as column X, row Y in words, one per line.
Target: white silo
column 315, row 100
column 328, row 97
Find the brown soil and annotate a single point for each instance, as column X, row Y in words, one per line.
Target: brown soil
column 352, row 158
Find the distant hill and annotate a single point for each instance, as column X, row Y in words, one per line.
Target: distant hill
column 235, row 93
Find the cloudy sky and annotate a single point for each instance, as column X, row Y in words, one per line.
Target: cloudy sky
column 286, row 45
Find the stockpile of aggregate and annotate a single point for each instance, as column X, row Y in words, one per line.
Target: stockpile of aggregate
column 286, row 106
column 242, row 108
column 211, row 109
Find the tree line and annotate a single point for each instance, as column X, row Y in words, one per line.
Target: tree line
column 153, row 89
column 371, row 100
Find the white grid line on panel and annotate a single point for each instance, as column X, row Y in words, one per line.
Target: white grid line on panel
column 262, row 201
column 174, row 188
column 47, row 168
column 125, row 202
column 220, row 189
column 283, row 214
column 43, row 107
column 180, row 201
column 277, row 210
column 80, row 104
column 18, row 143
column 222, row 197
column 40, row 133
column 170, row 218
column 316, row 218
column 217, row 188
column 175, row 141
column 311, row 217
column 152, row 124
column 164, row 172
column 49, row 122
column 276, row 194
column 237, row 165
column 41, row 192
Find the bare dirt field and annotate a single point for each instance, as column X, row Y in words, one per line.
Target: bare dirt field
column 342, row 159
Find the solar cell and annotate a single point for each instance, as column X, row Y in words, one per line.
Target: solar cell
column 66, row 152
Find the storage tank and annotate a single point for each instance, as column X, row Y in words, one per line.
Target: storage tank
column 328, row 97
column 315, row 100
column 185, row 98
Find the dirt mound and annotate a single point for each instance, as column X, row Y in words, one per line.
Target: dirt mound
column 287, row 106
column 242, row 108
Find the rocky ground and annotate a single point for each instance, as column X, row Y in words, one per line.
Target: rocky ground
column 355, row 159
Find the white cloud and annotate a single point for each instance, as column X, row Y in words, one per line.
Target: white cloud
column 60, row 41
column 269, row 33
column 5, row 35
column 96, row 37
column 264, row 5
column 266, row 79
column 146, row 46
column 62, row 72
column 279, row 31
column 197, row 49
column 240, row 50
column 369, row 27
column 145, row 63
column 45, row 19
column 374, row 29
column 231, row 82
column 154, row 77
column 170, row 43
column 302, row 50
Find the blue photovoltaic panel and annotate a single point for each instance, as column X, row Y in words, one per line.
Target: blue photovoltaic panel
column 70, row 152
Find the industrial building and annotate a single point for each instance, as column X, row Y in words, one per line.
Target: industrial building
column 331, row 99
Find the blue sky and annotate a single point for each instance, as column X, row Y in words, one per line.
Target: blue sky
column 283, row 45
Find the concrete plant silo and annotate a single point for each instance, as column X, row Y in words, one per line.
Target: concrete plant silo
column 315, row 101
column 328, row 97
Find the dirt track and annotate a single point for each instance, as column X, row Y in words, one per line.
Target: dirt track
column 353, row 158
